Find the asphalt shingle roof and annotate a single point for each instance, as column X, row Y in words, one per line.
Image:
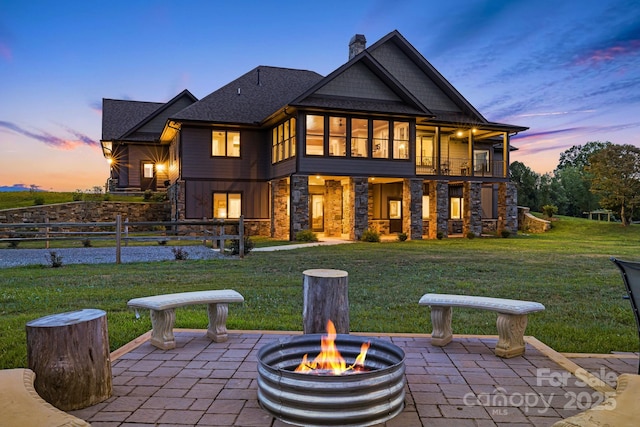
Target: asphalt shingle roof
column 119, row 116
column 252, row 97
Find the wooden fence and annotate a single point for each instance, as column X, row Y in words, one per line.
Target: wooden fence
column 122, row 232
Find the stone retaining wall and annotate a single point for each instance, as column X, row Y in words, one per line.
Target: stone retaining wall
column 531, row 224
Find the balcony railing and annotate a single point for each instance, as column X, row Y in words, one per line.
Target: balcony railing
column 458, row 167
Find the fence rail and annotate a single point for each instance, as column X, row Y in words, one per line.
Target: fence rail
column 214, row 230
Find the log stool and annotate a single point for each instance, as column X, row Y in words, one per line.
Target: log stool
column 69, row 353
column 325, row 298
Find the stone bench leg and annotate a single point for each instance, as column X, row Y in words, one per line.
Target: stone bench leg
column 218, row 322
column 510, row 335
column 162, row 323
column 441, row 323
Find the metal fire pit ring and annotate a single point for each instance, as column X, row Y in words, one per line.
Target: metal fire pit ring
column 358, row 399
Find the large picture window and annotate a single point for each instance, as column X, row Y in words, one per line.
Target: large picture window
column 315, row 136
column 400, row 140
column 337, row 136
column 225, row 143
column 359, row 137
column 283, row 141
column 227, row 205
column 380, row 139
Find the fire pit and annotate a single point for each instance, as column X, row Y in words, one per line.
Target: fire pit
column 371, row 390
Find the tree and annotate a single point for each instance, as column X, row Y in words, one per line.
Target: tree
column 526, row 182
column 615, row 171
column 578, row 155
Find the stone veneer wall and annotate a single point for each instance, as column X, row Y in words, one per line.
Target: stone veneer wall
column 279, row 212
column 439, row 208
column 333, row 208
column 412, row 208
column 299, row 203
column 361, row 210
column 88, row 212
column 347, row 208
column 472, row 215
column 530, row 223
column 507, row 207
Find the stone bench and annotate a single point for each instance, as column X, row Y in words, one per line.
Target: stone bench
column 512, row 319
column 21, row 405
column 163, row 316
column 619, row 410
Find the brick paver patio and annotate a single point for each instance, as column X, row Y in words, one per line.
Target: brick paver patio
column 202, row 383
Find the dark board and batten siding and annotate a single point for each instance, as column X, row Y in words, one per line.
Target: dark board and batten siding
column 199, row 197
column 356, row 167
column 197, row 162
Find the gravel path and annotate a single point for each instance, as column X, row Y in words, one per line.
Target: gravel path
column 18, row 257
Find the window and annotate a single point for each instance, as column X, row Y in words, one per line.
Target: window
column 380, row 139
column 337, row 136
column 283, row 141
column 424, row 151
column 315, row 136
column 481, row 161
column 400, row 140
column 359, row 137
column 425, row 207
column 227, row 205
column 457, row 206
column 225, row 144
column 147, row 170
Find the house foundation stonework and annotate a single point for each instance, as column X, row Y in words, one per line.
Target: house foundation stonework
column 289, row 149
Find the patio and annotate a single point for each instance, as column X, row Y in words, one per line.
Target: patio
column 202, row 383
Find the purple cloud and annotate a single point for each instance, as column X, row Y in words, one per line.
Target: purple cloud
column 52, row 140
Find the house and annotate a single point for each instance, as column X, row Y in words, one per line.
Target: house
column 384, row 142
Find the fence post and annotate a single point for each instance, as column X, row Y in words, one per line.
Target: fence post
column 126, row 231
column 220, row 239
column 46, row 233
column 204, row 231
column 241, row 236
column 118, row 237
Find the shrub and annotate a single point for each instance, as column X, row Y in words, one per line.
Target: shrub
column 38, row 200
column 471, row 235
column 370, row 235
column 159, row 197
column 234, row 246
column 180, row 254
column 86, row 243
column 402, row 237
column 549, row 210
column 505, row 234
column 106, row 197
column 306, row 236
column 148, row 194
column 13, row 244
column 162, row 242
column 77, row 196
column 55, row 260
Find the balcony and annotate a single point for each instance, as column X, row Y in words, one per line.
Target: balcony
column 459, row 167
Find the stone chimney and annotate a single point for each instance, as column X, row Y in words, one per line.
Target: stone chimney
column 357, row 44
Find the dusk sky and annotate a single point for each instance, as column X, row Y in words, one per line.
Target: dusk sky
column 568, row 70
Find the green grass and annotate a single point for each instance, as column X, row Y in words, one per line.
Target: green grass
column 566, row 269
column 23, row 199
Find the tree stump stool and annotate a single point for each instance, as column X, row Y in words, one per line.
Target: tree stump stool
column 325, row 298
column 69, row 353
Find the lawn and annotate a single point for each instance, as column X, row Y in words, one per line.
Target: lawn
column 566, row 269
column 23, row 199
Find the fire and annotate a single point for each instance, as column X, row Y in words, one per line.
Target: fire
column 329, row 361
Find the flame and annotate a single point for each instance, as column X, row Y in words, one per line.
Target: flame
column 330, row 361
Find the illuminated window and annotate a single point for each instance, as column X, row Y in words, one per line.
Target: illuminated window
column 400, row 140
column 147, row 170
column 225, row 144
column 337, row 136
column 380, row 139
column 425, row 207
column 359, row 137
column 481, row 161
column 424, row 151
column 283, row 141
column 227, row 205
column 456, row 202
column 315, row 136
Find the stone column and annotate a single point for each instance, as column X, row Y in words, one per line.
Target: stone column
column 472, row 217
column 439, row 208
column 412, row 208
column 359, row 195
column 279, row 209
column 347, row 208
column 299, row 204
column 507, row 207
column 333, row 208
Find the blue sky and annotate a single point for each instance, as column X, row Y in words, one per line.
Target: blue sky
column 569, row 70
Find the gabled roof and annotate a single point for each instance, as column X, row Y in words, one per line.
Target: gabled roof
column 121, row 119
column 251, row 98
